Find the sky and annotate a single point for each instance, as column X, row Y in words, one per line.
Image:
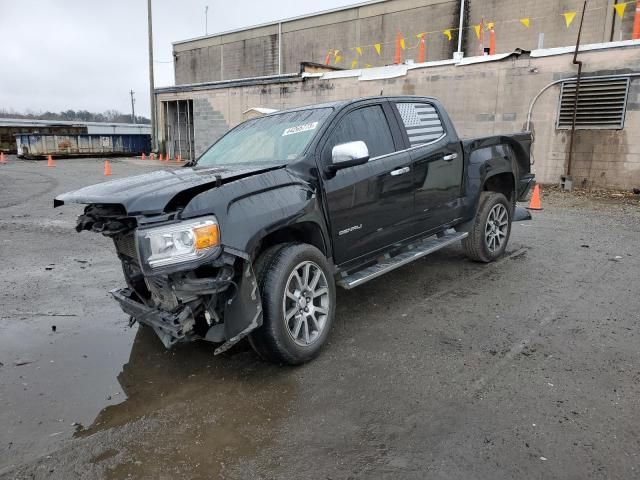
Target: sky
column 88, row 54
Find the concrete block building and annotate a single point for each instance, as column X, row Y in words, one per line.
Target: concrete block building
column 220, row 80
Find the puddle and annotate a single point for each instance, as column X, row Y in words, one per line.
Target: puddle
column 52, row 382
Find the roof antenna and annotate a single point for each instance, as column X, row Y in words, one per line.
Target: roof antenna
column 381, row 91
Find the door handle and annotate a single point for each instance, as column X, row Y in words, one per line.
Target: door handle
column 448, row 158
column 400, row 171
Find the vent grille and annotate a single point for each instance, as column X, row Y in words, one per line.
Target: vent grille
column 601, row 103
column 126, row 245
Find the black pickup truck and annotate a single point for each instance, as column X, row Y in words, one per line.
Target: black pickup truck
column 253, row 237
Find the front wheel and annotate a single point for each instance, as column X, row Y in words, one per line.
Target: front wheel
column 298, row 300
column 491, row 228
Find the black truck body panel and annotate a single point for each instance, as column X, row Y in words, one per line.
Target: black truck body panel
column 352, row 215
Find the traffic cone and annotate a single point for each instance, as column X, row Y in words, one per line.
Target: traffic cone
column 50, row 162
column 152, row 156
column 161, row 158
column 144, row 157
column 535, row 203
column 2, row 159
column 178, row 158
column 107, row 168
column 167, row 157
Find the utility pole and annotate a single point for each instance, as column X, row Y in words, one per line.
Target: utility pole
column 133, row 108
column 206, row 20
column 154, row 143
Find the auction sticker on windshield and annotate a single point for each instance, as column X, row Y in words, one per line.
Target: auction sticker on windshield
column 300, row 128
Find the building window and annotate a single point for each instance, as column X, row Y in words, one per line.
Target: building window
column 601, row 104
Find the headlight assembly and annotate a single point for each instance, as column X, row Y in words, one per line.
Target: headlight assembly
column 182, row 242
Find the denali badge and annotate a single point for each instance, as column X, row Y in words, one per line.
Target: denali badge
column 350, row 229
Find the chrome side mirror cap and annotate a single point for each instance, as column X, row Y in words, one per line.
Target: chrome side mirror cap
column 349, row 154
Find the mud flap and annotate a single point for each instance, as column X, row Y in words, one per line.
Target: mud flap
column 243, row 313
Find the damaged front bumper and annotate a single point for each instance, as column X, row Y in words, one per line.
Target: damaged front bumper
column 219, row 311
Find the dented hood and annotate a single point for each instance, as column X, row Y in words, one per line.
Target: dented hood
column 151, row 192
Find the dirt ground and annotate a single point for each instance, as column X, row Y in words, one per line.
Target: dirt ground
column 445, row 369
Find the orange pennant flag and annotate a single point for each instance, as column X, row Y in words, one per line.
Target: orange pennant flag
column 620, row 7
column 477, row 29
column 525, row 22
column 568, row 17
column 378, row 48
column 447, row 33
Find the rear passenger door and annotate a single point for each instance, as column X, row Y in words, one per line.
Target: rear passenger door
column 370, row 206
column 437, row 164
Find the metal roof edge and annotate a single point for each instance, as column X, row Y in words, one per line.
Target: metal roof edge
column 287, row 77
column 284, row 20
column 548, row 52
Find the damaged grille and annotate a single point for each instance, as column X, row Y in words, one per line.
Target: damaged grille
column 126, row 245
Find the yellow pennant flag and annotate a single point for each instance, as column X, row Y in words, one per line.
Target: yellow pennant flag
column 525, row 22
column 490, row 25
column 378, row 48
column 368, row 65
column 338, row 59
column 620, row 7
column 477, row 29
column 354, row 64
column 447, row 33
column 359, row 50
column 568, row 17
column 402, row 45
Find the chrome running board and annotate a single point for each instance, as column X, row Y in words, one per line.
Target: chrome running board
column 413, row 252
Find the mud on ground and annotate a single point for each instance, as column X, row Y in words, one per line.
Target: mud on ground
column 525, row 368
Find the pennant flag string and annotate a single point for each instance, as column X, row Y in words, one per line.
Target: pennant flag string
column 568, row 16
column 620, row 8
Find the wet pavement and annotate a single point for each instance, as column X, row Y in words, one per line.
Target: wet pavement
column 528, row 367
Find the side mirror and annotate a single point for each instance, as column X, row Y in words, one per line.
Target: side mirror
column 349, row 155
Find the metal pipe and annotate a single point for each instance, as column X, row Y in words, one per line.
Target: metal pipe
column 279, row 48
column 460, row 26
column 577, row 94
column 189, row 129
column 151, row 83
column 179, row 142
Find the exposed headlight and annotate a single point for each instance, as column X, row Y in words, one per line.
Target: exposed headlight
column 182, row 242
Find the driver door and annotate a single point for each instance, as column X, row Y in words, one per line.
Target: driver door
column 371, row 205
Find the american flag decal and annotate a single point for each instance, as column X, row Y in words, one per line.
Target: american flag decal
column 421, row 121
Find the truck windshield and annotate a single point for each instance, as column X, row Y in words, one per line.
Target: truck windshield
column 274, row 139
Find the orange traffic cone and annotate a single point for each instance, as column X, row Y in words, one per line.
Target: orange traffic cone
column 178, row 158
column 152, row 156
column 143, row 157
column 161, row 158
column 107, row 168
column 2, row 159
column 50, row 162
column 535, row 203
column 167, row 157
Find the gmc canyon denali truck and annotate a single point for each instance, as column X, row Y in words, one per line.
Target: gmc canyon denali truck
column 253, row 237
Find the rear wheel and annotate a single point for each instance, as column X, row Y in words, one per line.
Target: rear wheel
column 491, row 228
column 298, row 299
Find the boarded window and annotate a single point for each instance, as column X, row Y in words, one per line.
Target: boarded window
column 421, row 121
column 601, row 103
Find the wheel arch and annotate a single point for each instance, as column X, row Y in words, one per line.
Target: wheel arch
column 309, row 232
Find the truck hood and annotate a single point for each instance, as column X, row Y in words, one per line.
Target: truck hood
column 150, row 193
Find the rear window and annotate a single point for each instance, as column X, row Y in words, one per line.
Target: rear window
column 421, row 121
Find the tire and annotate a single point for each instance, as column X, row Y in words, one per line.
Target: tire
column 299, row 338
column 479, row 245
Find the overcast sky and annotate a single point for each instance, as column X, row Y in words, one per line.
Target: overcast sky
column 87, row 54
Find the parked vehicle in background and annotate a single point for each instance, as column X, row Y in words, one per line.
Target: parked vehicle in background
column 253, row 238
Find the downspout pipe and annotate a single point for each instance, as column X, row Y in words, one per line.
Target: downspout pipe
column 577, row 94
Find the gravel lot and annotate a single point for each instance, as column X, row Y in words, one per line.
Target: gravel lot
column 525, row 368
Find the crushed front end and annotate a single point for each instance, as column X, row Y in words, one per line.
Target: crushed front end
column 181, row 281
